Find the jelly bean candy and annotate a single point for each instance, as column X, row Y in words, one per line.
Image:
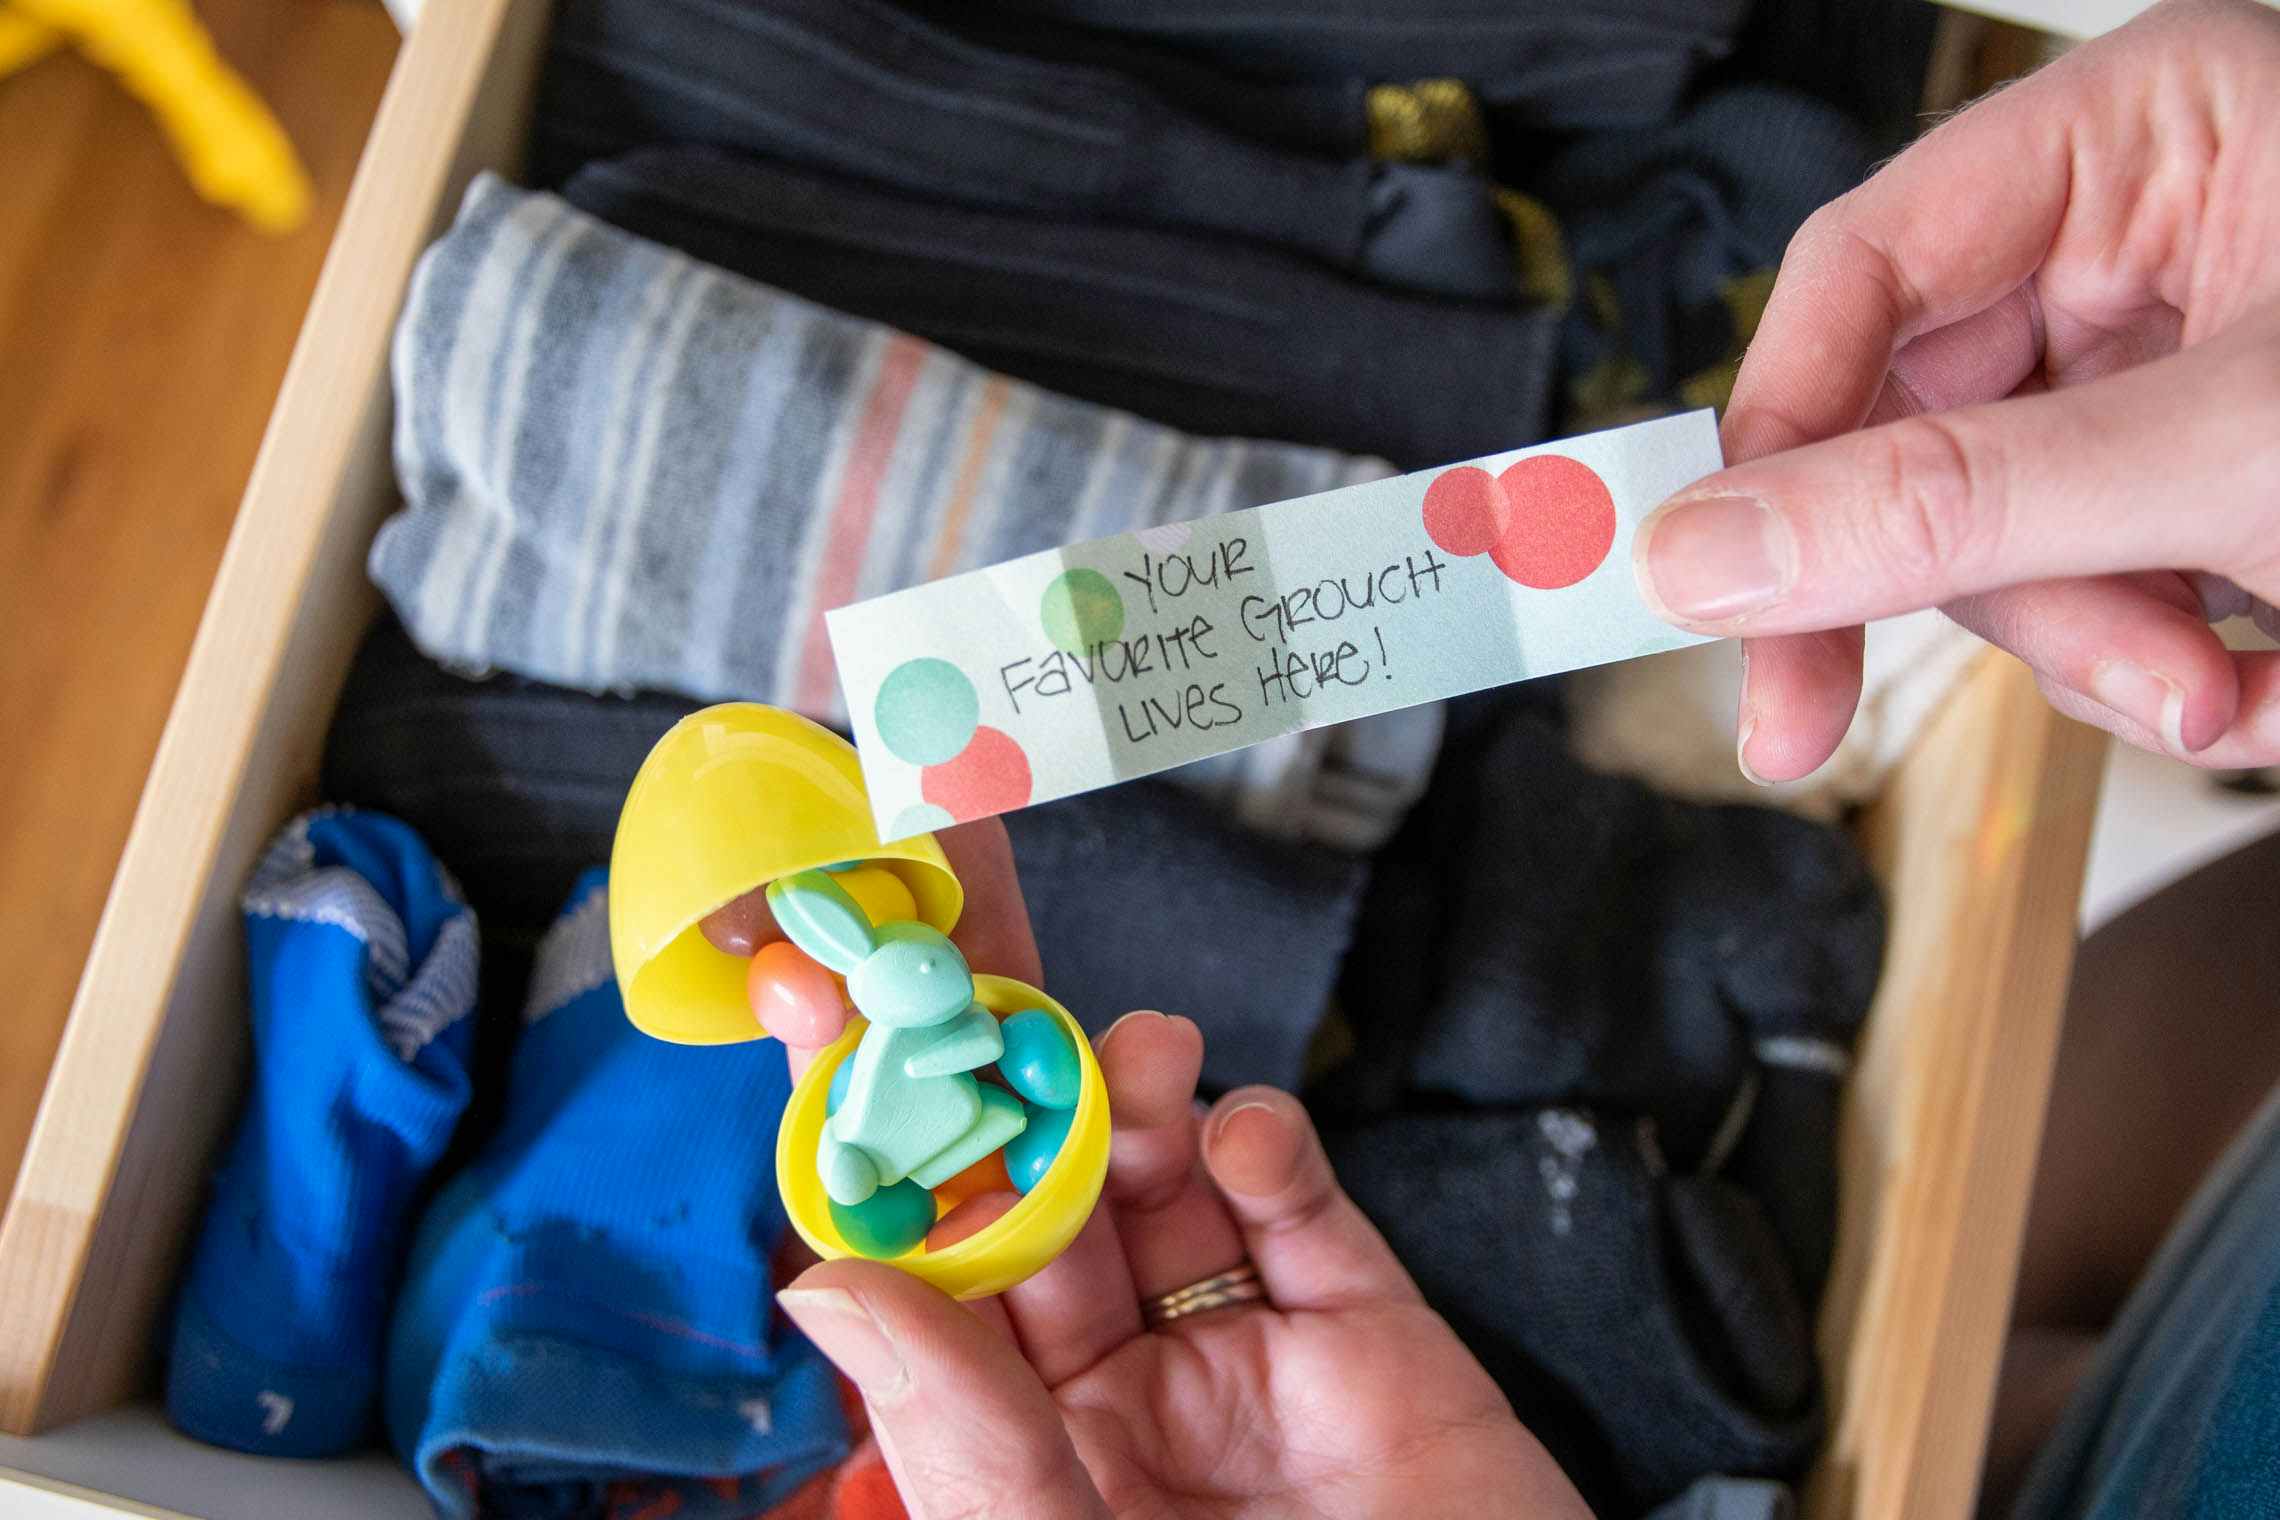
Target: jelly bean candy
column 1029, row 1155
column 887, row 1223
column 1040, row 1060
column 969, row 1219
column 794, row 998
column 879, row 892
column 987, row 1175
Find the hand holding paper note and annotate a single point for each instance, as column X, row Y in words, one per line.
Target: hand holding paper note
column 1076, row 668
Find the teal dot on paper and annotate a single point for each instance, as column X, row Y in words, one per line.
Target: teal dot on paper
column 921, row 818
column 926, row 711
column 1081, row 609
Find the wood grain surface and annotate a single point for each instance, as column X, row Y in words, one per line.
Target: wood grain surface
column 142, row 337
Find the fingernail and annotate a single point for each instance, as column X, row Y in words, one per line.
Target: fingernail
column 1714, row 558
column 2136, row 692
column 1742, row 751
column 844, row 1330
column 1254, row 1150
column 1746, row 725
column 1137, row 1013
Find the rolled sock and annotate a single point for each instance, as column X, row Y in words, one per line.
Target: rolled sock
column 1645, row 1329
column 1554, row 982
column 1200, row 333
column 1730, row 1499
column 1786, row 922
column 575, row 517
column 361, row 971
column 961, row 120
column 627, row 470
column 588, row 1311
column 1402, row 928
column 1593, row 943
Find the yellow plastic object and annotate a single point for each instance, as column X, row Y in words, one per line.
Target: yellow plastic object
column 1032, row 1233
column 23, row 41
column 878, row 892
column 230, row 147
column 730, row 799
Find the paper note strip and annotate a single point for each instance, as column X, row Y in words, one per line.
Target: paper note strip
column 1079, row 667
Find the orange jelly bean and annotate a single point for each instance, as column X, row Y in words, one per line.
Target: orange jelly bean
column 987, row 1175
column 793, row 997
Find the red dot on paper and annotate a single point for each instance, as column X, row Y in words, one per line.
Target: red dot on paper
column 1561, row 526
column 990, row 775
column 1465, row 512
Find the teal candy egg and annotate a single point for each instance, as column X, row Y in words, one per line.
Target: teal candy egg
column 888, row 1223
column 1029, row 1155
column 1040, row 1060
column 836, row 1094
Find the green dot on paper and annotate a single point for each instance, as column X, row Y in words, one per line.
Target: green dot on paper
column 926, row 711
column 921, row 818
column 1081, row 609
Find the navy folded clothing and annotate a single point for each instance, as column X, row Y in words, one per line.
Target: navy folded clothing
column 864, row 89
column 1566, row 66
column 1675, row 230
column 1200, row 333
column 526, row 780
column 1142, row 897
column 1868, row 58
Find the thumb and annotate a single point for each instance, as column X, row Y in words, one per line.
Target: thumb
column 2165, row 466
column 967, row 1428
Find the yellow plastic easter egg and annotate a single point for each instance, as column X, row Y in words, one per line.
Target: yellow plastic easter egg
column 730, row 799
column 878, row 892
column 1029, row 1235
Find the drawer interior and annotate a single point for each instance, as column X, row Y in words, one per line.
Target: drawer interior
column 116, row 1159
column 1979, row 840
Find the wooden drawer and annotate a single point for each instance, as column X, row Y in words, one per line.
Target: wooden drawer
column 1980, row 840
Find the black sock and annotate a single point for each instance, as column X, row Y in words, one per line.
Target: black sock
column 1647, row 1330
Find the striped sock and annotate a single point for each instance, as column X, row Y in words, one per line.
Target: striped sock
column 361, row 960
column 626, row 470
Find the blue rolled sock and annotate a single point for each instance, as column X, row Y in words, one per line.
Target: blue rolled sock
column 588, row 1320
column 361, row 968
